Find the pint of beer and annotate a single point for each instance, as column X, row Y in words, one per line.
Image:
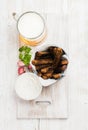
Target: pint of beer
column 31, row 28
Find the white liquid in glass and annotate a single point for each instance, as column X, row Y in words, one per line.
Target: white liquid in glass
column 30, row 25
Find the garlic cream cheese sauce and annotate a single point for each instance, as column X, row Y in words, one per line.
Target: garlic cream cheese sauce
column 28, row 86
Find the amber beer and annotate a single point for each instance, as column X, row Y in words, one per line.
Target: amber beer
column 31, row 27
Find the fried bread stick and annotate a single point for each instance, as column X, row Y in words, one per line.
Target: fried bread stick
column 57, row 56
column 56, row 76
column 38, row 67
column 42, row 62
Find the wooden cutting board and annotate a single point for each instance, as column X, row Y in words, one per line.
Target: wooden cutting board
column 53, row 101
column 56, row 94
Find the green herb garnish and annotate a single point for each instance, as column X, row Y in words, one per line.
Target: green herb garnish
column 25, row 54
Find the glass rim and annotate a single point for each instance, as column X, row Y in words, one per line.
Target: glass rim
column 38, row 15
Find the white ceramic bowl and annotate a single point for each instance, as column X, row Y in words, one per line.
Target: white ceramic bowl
column 44, row 82
column 28, row 86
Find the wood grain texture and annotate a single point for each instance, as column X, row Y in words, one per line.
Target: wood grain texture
column 78, row 55
column 78, row 77
column 58, row 108
column 8, row 68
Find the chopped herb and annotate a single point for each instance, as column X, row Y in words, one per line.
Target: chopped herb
column 25, row 55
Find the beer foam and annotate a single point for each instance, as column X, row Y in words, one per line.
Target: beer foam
column 30, row 25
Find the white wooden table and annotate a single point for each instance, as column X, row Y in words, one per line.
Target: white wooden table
column 76, row 12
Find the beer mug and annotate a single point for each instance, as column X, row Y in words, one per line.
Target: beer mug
column 31, row 27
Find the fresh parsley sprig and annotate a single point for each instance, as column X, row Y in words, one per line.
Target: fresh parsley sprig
column 25, row 55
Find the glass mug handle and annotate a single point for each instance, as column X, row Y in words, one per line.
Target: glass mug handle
column 15, row 17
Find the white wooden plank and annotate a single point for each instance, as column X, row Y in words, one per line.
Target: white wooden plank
column 78, row 52
column 78, row 116
column 8, row 58
column 34, row 5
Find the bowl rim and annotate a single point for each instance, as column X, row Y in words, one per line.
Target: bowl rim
column 43, row 47
column 16, row 91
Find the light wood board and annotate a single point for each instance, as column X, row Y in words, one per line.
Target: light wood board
column 57, row 94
